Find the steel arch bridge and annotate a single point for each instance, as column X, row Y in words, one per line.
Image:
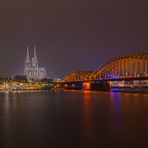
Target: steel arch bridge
column 78, row 76
column 131, row 65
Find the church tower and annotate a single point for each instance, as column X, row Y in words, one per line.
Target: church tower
column 35, row 60
column 27, row 59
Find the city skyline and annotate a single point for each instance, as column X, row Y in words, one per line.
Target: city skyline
column 76, row 35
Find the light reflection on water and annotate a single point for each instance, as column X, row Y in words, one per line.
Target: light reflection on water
column 73, row 119
column 88, row 125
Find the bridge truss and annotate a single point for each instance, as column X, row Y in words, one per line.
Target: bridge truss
column 131, row 65
column 78, row 76
column 127, row 66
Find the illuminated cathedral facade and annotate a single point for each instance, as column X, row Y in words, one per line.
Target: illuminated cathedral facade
column 32, row 69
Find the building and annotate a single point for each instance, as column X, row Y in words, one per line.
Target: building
column 32, row 69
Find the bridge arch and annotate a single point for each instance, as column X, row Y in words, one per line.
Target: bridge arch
column 131, row 65
column 78, row 76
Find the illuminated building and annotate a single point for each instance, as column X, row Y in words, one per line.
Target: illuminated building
column 32, row 69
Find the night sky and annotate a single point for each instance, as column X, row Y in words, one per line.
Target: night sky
column 70, row 34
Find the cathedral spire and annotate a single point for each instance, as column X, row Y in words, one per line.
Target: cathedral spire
column 27, row 59
column 27, row 54
column 35, row 59
column 35, row 56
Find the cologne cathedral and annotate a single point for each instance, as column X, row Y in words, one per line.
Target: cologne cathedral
column 32, row 70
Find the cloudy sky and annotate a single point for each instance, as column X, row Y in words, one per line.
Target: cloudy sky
column 70, row 34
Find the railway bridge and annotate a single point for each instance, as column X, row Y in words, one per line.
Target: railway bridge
column 129, row 70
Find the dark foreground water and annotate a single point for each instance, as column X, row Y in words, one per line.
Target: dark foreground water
column 73, row 119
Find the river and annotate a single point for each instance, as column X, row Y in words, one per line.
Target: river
column 73, row 119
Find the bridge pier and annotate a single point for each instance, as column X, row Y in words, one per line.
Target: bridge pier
column 95, row 85
column 72, row 85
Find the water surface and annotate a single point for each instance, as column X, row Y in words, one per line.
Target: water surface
column 73, row 119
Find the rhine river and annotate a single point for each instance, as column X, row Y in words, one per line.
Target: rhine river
column 73, row 119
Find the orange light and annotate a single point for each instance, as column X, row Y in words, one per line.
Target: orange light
column 87, row 85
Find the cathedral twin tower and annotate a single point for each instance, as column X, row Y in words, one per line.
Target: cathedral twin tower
column 32, row 70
